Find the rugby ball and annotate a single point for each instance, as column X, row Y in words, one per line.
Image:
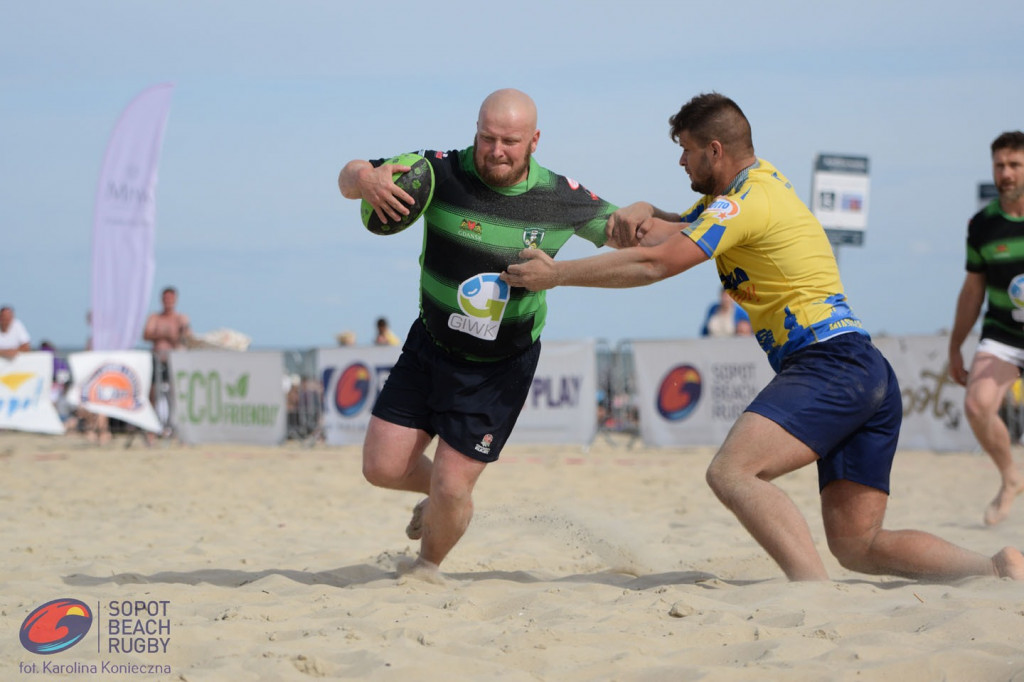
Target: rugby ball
column 418, row 182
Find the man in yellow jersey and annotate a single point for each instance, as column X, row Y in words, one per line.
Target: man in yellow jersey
column 834, row 400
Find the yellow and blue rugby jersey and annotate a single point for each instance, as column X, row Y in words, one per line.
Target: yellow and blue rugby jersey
column 775, row 259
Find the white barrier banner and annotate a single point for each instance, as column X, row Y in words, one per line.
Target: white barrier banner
column 25, row 402
column 229, row 397
column 352, row 376
column 933, row 404
column 114, row 383
column 690, row 392
column 561, row 407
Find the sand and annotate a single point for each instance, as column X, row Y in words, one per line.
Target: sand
column 612, row 563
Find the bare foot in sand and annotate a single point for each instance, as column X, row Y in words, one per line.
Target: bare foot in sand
column 420, row 569
column 414, row 531
column 999, row 508
column 1009, row 563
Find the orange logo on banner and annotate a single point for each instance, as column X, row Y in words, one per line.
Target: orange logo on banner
column 113, row 385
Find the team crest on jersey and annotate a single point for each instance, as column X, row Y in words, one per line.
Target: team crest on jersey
column 532, row 237
column 723, row 208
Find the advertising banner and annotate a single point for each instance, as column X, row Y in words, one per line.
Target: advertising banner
column 689, row 392
column 114, row 383
column 561, row 407
column 229, row 397
column 933, row 404
column 839, row 196
column 25, row 402
column 352, row 376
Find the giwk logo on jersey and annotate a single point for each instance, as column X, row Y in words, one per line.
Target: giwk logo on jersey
column 471, row 226
column 533, row 237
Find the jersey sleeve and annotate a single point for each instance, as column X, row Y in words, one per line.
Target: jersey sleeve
column 726, row 221
column 975, row 261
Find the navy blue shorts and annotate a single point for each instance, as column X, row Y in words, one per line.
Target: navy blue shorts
column 473, row 406
column 840, row 398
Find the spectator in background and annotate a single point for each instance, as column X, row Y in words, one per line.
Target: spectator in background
column 96, row 426
column 385, row 337
column 14, row 337
column 725, row 318
column 167, row 330
column 346, row 338
column 59, row 385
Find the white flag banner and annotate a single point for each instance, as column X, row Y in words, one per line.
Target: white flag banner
column 25, row 402
column 114, row 383
column 125, row 222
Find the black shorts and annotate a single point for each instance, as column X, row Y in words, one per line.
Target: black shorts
column 473, row 406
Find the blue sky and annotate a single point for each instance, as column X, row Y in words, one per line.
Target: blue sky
column 272, row 98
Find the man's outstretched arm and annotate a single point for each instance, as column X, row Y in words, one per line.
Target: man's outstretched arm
column 632, row 267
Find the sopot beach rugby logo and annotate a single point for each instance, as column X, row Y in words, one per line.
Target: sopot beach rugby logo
column 56, row 626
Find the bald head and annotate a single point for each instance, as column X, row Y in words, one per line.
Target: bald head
column 509, row 104
column 506, row 137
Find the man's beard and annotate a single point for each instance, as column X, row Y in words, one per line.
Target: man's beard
column 1012, row 194
column 506, row 176
column 705, row 186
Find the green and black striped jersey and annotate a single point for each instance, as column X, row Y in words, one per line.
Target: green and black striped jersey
column 995, row 248
column 472, row 231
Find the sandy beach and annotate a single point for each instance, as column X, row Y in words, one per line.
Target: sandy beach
column 243, row 563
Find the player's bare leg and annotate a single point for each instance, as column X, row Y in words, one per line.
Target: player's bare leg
column 394, row 457
column 756, row 451
column 450, row 505
column 853, row 515
column 988, row 382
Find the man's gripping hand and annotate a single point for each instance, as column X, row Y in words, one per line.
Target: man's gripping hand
column 377, row 187
column 535, row 271
column 621, row 229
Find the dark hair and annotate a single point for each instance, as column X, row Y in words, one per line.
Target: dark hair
column 712, row 116
column 1012, row 140
column 169, row 290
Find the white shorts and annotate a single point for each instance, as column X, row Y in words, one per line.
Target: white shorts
column 1003, row 351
